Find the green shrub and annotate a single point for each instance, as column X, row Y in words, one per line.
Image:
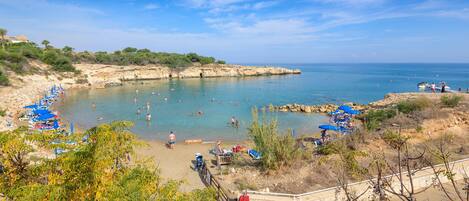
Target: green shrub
column 276, row 150
column 374, row 118
column 63, row 64
column 207, row 60
column 221, row 62
column 3, row 112
column 409, row 106
column 4, row 81
column 451, row 100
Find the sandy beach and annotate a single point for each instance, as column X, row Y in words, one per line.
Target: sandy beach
column 176, row 163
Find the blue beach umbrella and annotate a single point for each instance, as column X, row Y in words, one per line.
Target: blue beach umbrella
column 34, row 106
column 328, row 127
column 45, row 117
column 353, row 112
column 41, row 112
column 345, row 108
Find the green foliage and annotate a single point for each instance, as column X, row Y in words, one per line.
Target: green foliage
column 3, row 112
column 451, row 100
column 374, row 118
column 58, row 61
column 276, row 150
column 395, row 140
column 221, row 62
column 96, row 170
column 4, row 81
column 409, row 106
column 207, row 60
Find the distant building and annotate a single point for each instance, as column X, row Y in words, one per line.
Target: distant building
column 17, row 39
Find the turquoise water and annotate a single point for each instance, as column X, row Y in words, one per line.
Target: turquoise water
column 221, row 98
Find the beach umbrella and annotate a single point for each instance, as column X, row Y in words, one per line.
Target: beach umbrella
column 345, row 108
column 56, row 124
column 34, row 106
column 72, row 129
column 328, row 127
column 45, row 117
column 353, row 112
column 41, row 112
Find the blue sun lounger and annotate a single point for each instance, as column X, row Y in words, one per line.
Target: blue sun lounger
column 254, row 154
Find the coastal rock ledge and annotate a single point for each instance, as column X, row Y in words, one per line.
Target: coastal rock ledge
column 99, row 75
column 324, row 108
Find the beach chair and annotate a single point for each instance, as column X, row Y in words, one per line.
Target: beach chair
column 254, row 154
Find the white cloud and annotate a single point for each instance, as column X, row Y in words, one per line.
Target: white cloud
column 151, row 6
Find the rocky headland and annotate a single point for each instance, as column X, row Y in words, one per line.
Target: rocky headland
column 389, row 99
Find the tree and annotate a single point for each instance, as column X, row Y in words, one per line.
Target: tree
column 440, row 153
column 410, row 160
column 98, row 169
column 67, row 49
column 46, row 44
column 3, row 33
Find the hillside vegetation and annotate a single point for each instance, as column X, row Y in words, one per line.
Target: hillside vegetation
column 15, row 57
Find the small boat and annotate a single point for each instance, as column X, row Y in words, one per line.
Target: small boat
column 423, row 85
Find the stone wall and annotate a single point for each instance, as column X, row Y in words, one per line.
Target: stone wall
column 422, row 179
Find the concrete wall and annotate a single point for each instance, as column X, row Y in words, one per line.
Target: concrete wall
column 421, row 179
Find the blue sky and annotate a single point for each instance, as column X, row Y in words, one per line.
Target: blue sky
column 254, row 31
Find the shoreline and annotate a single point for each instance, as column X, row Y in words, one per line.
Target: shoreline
column 26, row 89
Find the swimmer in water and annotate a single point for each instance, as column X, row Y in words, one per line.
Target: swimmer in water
column 139, row 111
column 200, row 113
column 135, row 99
column 148, row 117
column 99, row 118
column 136, row 91
column 152, row 93
column 93, row 105
column 165, row 99
column 148, row 106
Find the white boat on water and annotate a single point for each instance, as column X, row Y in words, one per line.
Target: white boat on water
column 427, row 86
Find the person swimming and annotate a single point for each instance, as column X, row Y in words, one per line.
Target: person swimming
column 165, row 99
column 138, row 111
column 148, row 117
column 148, row 106
column 200, row 113
column 136, row 91
column 152, row 93
column 135, row 99
column 93, row 105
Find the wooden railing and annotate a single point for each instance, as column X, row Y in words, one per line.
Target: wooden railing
column 209, row 180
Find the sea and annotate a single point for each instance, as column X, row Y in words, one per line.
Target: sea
column 202, row 108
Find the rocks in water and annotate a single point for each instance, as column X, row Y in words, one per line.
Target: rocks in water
column 324, row 108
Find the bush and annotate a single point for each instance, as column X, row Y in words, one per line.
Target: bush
column 374, row 118
column 276, row 150
column 58, row 62
column 451, row 100
column 4, row 81
column 221, row 62
column 3, row 112
column 409, row 106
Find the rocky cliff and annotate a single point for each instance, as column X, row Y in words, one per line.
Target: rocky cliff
column 100, row 75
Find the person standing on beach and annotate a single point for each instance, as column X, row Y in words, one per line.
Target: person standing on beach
column 433, row 87
column 218, row 153
column 172, row 139
column 443, row 87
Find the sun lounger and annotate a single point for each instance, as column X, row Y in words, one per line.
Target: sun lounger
column 254, row 154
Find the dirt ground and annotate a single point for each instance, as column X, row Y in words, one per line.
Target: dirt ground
column 317, row 173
